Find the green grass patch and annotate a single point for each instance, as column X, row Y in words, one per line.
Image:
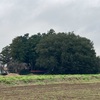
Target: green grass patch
column 49, row 79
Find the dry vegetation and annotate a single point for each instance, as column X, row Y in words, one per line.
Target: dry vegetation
column 86, row 91
column 65, row 87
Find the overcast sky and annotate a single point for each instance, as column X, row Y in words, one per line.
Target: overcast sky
column 18, row 17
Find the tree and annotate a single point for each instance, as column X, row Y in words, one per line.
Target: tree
column 57, row 53
column 5, row 55
column 19, row 48
column 5, row 58
column 32, row 55
column 66, row 53
column 23, row 49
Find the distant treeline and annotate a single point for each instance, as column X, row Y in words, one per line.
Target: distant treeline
column 51, row 52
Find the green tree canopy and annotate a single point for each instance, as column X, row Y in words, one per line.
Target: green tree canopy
column 66, row 53
column 56, row 53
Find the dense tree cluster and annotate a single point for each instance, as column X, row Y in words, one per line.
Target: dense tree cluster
column 54, row 53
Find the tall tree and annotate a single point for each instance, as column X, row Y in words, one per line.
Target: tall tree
column 5, row 55
column 19, row 48
column 57, row 53
column 66, row 53
column 32, row 42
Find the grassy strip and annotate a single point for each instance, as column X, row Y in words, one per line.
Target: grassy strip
column 49, row 79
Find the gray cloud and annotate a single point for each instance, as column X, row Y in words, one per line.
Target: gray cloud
column 18, row 17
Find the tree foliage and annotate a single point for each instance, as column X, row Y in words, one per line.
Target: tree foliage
column 56, row 53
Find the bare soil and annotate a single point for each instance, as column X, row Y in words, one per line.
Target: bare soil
column 13, row 74
column 86, row 91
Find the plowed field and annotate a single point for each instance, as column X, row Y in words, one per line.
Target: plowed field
column 84, row 91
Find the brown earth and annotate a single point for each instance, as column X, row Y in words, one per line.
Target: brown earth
column 12, row 74
column 86, row 91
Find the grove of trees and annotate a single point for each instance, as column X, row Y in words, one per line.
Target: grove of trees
column 54, row 53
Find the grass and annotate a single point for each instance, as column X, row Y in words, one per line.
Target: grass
column 49, row 79
column 50, row 87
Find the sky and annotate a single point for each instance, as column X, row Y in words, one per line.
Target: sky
column 18, row 17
